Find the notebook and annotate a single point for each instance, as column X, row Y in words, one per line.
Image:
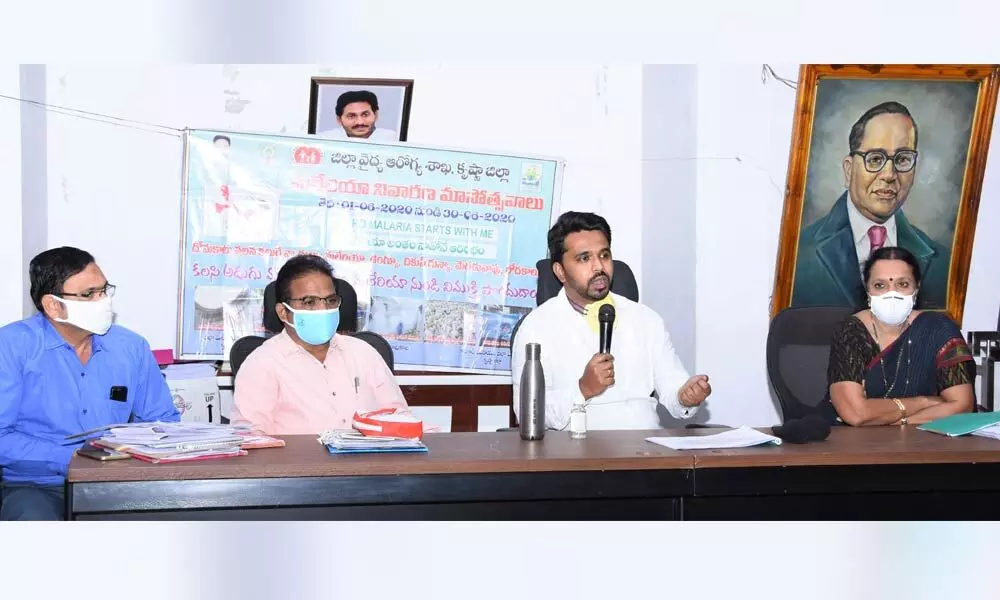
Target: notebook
column 962, row 424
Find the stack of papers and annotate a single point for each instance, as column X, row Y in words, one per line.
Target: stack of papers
column 741, row 437
column 993, row 431
column 172, row 442
column 354, row 442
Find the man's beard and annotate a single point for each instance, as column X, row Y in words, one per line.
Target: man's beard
column 355, row 132
column 585, row 292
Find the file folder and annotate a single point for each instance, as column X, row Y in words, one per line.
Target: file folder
column 961, row 424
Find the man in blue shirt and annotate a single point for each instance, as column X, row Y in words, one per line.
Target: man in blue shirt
column 65, row 370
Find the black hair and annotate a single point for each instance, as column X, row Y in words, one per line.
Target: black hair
column 573, row 222
column 222, row 137
column 892, row 253
column 886, row 108
column 356, row 96
column 296, row 267
column 49, row 271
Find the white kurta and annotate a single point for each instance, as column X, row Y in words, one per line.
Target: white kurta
column 645, row 361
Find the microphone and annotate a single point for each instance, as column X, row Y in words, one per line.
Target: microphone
column 606, row 319
column 811, row 428
column 817, row 427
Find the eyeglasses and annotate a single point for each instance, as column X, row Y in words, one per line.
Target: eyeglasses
column 108, row 290
column 317, row 303
column 874, row 160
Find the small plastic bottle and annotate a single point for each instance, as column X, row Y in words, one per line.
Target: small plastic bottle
column 578, row 420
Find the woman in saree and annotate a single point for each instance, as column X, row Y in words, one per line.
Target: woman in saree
column 893, row 365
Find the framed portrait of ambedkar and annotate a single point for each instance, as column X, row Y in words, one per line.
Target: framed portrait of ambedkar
column 884, row 155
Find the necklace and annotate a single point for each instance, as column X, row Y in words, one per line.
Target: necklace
column 899, row 361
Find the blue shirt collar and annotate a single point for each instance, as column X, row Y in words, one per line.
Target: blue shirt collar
column 54, row 340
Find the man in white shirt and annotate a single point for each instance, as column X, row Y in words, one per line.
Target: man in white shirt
column 357, row 115
column 618, row 386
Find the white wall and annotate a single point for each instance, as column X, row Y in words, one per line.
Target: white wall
column 34, row 173
column 982, row 303
column 744, row 129
column 11, row 270
column 669, row 199
column 115, row 189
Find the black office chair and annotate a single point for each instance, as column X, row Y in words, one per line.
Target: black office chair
column 986, row 346
column 798, row 353
column 241, row 350
column 380, row 344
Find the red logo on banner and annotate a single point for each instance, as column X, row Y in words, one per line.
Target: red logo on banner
column 307, row 155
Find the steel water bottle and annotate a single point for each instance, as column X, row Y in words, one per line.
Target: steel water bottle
column 532, row 413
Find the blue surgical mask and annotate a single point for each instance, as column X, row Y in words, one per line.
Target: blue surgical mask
column 314, row 327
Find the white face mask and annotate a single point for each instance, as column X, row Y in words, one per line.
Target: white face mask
column 892, row 308
column 94, row 316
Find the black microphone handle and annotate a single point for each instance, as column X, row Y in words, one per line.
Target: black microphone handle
column 793, row 432
column 816, row 427
column 605, row 343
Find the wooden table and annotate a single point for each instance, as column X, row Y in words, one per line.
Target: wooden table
column 859, row 473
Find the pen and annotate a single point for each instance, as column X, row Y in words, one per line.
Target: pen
column 91, row 432
column 356, row 384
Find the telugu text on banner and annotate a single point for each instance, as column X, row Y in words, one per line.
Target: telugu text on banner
column 439, row 245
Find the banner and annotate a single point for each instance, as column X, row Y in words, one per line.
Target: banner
column 440, row 245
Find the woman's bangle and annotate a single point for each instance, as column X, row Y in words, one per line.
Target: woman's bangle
column 902, row 410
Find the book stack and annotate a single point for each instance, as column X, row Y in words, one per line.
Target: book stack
column 355, row 442
column 176, row 442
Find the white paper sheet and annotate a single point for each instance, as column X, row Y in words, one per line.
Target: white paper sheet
column 742, row 437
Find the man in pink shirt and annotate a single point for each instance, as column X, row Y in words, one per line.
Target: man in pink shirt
column 307, row 379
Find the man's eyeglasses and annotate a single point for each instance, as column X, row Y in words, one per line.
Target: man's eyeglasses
column 874, row 160
column 108, row 290
column 317, row 303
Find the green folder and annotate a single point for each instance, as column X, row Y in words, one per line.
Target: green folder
column 962, row 424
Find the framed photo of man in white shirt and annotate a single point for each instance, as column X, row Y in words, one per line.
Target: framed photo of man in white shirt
column 377, row 110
